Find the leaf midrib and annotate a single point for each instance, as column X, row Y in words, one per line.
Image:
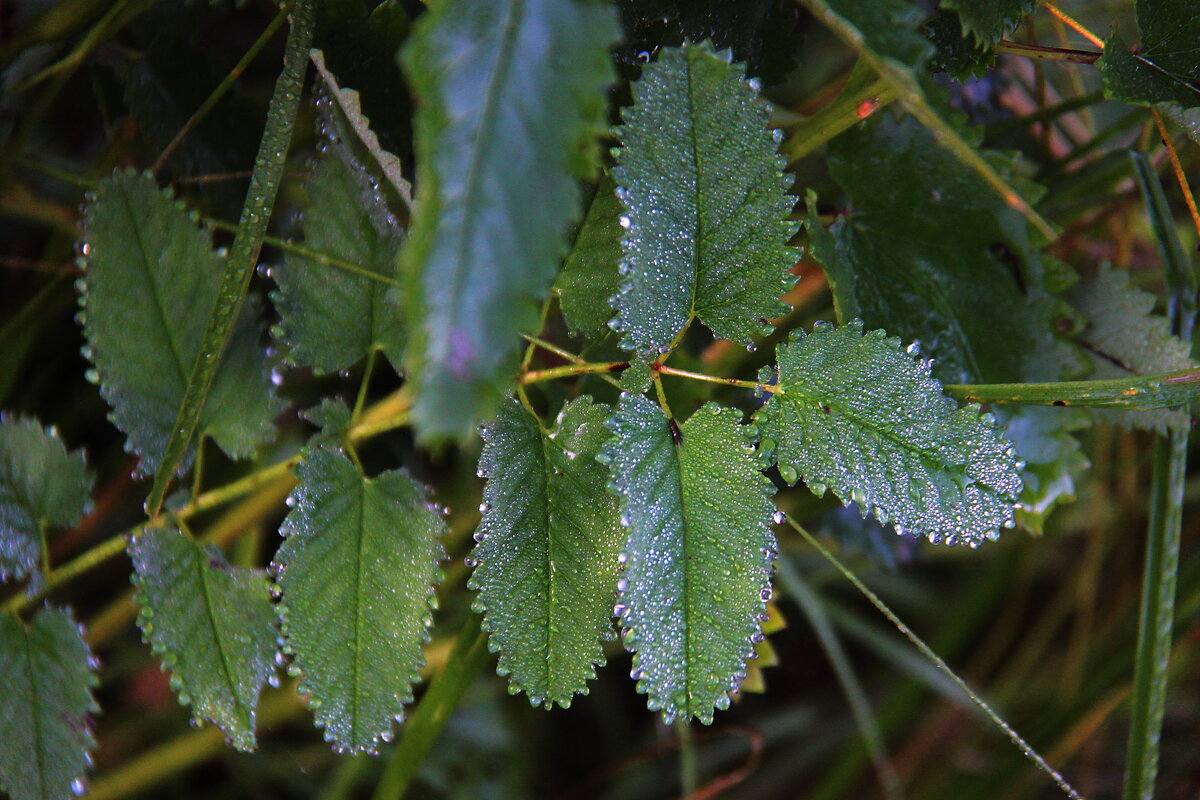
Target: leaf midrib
column 35, row 707
column 198, row 560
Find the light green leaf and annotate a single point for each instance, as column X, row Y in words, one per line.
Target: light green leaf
column 332, row 317
column 151, row 279
column 41, row 486
column 988, row 21
column 856, row 414
column 706, row 201
column 510, row 101
column 1166, row 65
column 589, row 275
column 1125, row 337
column 548, row 544
column 357, row 571
column 211, row 625
column 698, row 559
column 47, row 673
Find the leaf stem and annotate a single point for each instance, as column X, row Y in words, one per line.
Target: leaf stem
column 864, row 93
column 1070, row 22
column 1177, row 166
column 364, row 384
column 571, row 371
column 697, row 376
column 1042, row 53
column 941, row 665
column 239, row 266
column 223, row 87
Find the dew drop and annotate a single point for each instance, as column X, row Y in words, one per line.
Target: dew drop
column 625, row 221
column 779, row 517
column 79, row 787
column 470, row 562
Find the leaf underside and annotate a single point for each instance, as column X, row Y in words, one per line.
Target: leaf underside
column 45, row 707
column 1166, row 65
column 548, row 544
column 150, row 284
column 212, row 625
column 510, row 103
column 330, row 317
column 858, row 415
column 357, row 570
column 1125, row 337
column 706, row 204
column 699, row 554
column 41, row 485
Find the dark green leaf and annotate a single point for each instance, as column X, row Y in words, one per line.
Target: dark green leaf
column 955, row 52
column 332, row 317
column 1125, row 337
column 511, row 98
column 357, row 571
column 589, row 276
column 888, row 27
column 547, row 550
column 47, row 673
column 211, row 625
column 990, row 20
column 41, row 486
column 858, row 415
column 707, row 235
column 1165, row 68
column 698, row 560
column 151, row 280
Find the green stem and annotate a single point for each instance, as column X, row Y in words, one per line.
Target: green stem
column 1142, row 393
column 856, row 696
column 433, row 711
column 223, row 87
column 697, row 376
column 239, row 266
column 689, row 770
column 1153, row 655
column 933, row 658
column 571, row 371
column 364, row 384
column 1049, row 53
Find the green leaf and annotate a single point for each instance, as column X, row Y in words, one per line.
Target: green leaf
column 956, row 52
column 1166, row 65
column 931, row 255
column 333, row 318
column 510, row 102
column 47, row 673
column 212, row 625
column 548, row 544
column 698, row 559
column 988, row 21
column 888, row 28
column 589, row 275
column 1125, row 337
column 150, row 284
column 707, row 235
column 357, row 571
column 41, row 486
column 857, row 414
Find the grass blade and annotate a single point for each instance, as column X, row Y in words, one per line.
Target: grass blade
column 260, row 199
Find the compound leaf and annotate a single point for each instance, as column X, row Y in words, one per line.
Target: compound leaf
column 589, row 275
column 510, row 101
column 548, row 548
column 357, row 571
column 1166, row 66
column 47, row 672
column 150, row 284
column 212, row 625
column 698, row 559
column 858, row 415
column 1125, row 337
column 706, row 202
column 330, row 316
column 41, row 486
